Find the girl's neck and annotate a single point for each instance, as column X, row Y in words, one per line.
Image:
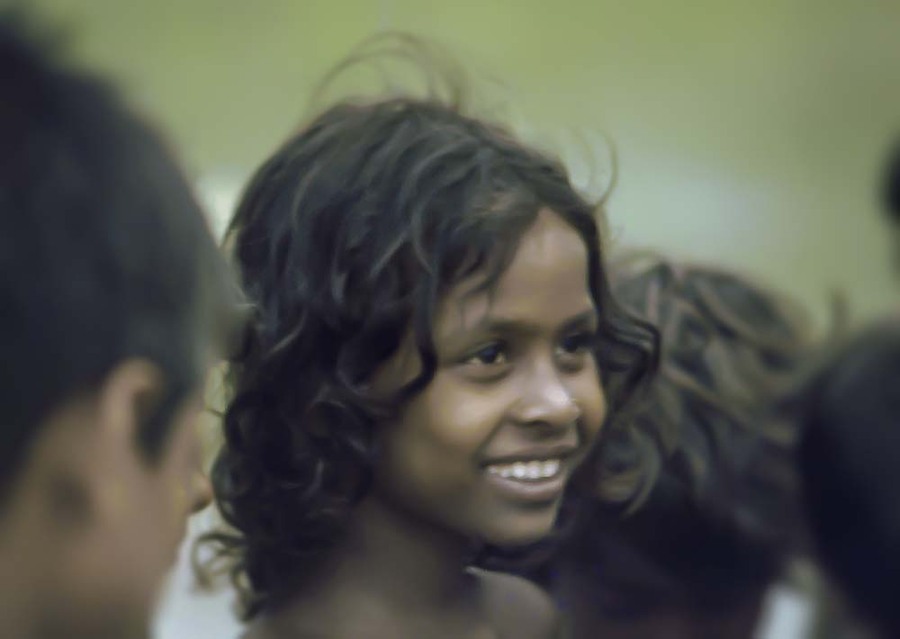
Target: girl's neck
column 417, row 561
column 389, row 562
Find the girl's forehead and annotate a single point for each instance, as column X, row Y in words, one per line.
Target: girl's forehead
column 546, row 281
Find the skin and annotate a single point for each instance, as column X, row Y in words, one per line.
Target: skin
column 92, row 528
column 515, row 373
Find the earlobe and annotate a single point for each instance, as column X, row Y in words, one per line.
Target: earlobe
column 201, row 492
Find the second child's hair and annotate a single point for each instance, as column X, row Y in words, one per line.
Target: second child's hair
column 718, row 523
column 891, row 185
column 346, row 240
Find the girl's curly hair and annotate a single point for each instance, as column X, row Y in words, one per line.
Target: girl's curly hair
column 345, row 240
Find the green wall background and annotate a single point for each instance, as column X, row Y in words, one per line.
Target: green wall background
column 748, row 133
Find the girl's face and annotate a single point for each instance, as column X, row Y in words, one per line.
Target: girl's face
column 486, row 449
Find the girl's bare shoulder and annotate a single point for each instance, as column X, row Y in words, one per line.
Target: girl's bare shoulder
column 518, row 608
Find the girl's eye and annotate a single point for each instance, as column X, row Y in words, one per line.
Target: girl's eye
column 577, row 343
column 490, row 355
column 575, row 351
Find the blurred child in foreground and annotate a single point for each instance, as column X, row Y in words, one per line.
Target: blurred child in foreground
column 114, row 304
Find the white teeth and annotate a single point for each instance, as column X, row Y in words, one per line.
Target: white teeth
column 531, row 470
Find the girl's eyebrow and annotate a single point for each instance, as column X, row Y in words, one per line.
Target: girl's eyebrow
column 587, row 318
column 493, row 324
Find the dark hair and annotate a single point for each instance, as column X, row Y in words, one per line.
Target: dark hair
column 849, row 460
column 718, row 522
column 346, row 239
column 104, row 254
column 891, row 187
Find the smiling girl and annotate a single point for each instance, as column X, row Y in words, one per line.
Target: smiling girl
column 432, row 336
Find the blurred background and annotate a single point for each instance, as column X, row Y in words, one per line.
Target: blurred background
column 751, row 134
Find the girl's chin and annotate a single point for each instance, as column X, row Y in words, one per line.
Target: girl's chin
column 520, row 535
